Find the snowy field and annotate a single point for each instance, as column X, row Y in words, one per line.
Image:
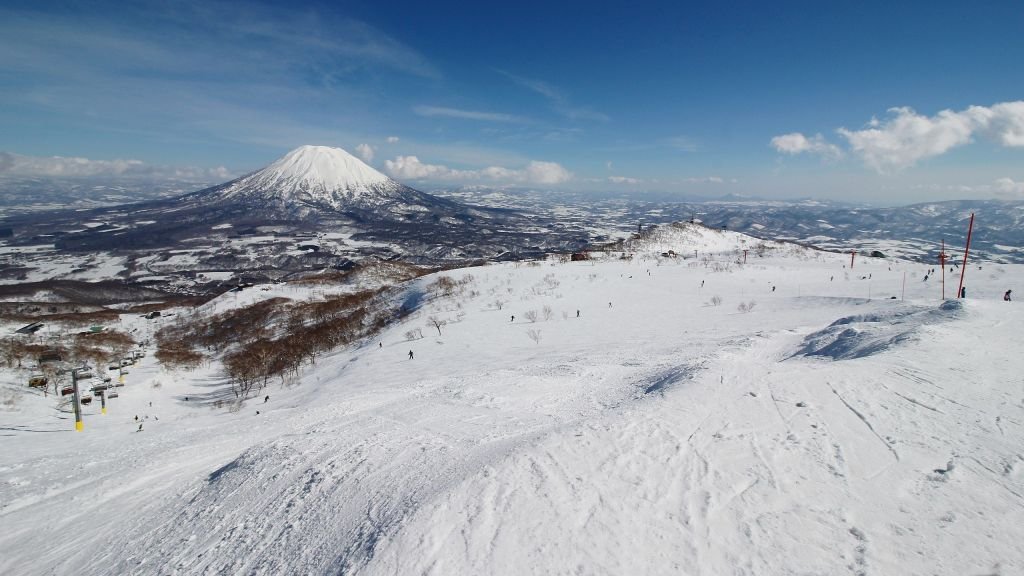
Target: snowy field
column 817, row 420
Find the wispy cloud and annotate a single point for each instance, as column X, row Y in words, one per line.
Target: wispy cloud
column 206, row 71
column 431, row 111
column 558, row 100
column 682, row 143
column 535, row 172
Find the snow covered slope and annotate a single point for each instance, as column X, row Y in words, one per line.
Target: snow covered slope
column 633, row 427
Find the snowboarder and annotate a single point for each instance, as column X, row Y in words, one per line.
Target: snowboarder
column 267, row 399
column 410, row 354
column 1006, row 297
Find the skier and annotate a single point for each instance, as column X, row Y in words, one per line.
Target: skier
column 963, row 292
column 1006, row 297
column 267, row 399
column 773, row 288
column 513, row 318
column 380, row 345
column 410, row 354
column 140, row 428
column 578, row 312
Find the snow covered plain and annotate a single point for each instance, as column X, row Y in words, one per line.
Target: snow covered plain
column 829, row 429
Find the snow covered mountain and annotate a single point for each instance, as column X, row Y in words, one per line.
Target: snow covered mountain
column 309, row 192
column 313, row 179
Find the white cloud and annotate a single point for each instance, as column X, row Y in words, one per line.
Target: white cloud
column 76, row 167
column 624, row 180
column 365, row 152
column 536, row 172
column 432, row 111
column 797, row 143
column 907, row 137
column 705, row 180
column 392, row 139
column 1006, row 123
column 1007, row 187
column 547, row 173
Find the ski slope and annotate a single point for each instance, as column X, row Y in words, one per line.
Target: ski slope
column 830, row 429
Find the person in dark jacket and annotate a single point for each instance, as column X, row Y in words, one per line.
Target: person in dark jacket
column 1006, row 296
column 410, row 354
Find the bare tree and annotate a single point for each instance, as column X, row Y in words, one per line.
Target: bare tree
column 531, row 315
column 436, row 323
column 414, row 334
column 716, row 300
column 498, row 303
column 745, row 307
column 548, row 313
column 534, row 335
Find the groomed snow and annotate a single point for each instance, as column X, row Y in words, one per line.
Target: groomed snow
column 655, row 433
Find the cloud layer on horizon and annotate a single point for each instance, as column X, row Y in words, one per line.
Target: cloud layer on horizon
column 75, row 167
column 536, row 172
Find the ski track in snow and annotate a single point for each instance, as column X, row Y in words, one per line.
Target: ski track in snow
column 658, row 436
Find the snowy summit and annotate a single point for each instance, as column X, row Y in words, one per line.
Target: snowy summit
column 319, row 176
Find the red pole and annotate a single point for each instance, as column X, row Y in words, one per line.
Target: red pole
column 942, row 264
column 744, row 256
column 963, row 269
column 852, row 254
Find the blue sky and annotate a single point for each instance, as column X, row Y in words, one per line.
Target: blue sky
column 880, row 102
